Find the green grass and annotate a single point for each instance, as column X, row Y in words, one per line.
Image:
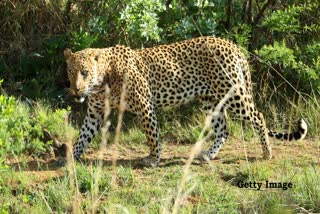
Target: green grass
column 153, row 190
column 98, row 186
column 127, row 187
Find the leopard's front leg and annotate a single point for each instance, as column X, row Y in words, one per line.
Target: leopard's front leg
column 92, row 124
column 150, row 127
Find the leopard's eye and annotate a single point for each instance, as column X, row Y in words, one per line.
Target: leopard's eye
column 84, row 73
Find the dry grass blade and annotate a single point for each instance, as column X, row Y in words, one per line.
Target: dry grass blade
column 121, row 111
column 197, row 147
column 71, row 168
column 102, row 148
column 104, row 139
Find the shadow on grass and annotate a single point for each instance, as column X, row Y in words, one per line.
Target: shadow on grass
column 56, row 164
column 236, row 160
column 234, row 179
column 135, row 163
column 36, row 165
column 240, row 176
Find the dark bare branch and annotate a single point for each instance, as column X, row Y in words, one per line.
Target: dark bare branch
column 229, row 15
column 261, row 12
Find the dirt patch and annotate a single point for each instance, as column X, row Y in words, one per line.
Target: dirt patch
column 235, row 152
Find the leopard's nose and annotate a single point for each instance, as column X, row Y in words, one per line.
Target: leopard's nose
column 79, row 93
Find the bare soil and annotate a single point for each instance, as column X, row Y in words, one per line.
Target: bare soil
column 235, row 152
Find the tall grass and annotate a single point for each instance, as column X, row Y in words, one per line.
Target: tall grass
column 91, row 187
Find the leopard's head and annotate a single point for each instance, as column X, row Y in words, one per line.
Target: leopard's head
column 85, row 71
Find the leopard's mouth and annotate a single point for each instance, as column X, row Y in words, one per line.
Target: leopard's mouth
column 79, row 99
column 80, row 96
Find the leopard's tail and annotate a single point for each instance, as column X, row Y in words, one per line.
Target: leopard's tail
column 299, row 134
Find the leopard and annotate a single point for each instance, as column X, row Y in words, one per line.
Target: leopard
column 210, row 70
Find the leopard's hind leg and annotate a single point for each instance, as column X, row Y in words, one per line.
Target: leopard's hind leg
column 241, row 103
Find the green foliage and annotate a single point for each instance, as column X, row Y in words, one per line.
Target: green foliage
column 241, row 34
column 55, row 121
column 21, row 128
column 83, row 39
column 88, row 179
column 30, row 65
column 284, row 21
column 295, row 46
column 278, row 53
column 140, row 19
column 38, row 72
column 294, row 67
column 184, row 20
column 18, row 133
column 35, row 68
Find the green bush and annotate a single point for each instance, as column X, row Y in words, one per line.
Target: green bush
column 184, row 20
column 55, row 121
column 293, row 66
column 284, row 21
column 21, row 128
column 18, row 131
column 140, row 19
column 278, row 53
column 82, row 39
column 294, row 45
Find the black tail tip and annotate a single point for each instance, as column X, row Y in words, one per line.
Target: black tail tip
column 299, row 134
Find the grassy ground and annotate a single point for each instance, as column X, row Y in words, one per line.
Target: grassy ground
column 116, row 182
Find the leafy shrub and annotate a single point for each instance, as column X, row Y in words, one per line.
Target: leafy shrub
column 278, row 53
column 285, row 21
column 293, row 47
column 141, row 17
column 82, row 39
column 18, row 132
column 21, row 127
column 294, row 67
column 184, row 20
column 55, row 121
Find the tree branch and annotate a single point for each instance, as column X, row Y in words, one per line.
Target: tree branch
column 260, row 14
column 228, row 14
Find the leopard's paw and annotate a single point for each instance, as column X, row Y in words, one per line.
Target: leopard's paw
column 150, row 161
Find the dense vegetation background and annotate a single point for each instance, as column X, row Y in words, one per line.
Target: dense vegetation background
column 281, row 39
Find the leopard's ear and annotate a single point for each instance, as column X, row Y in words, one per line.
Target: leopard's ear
column 67, row 53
